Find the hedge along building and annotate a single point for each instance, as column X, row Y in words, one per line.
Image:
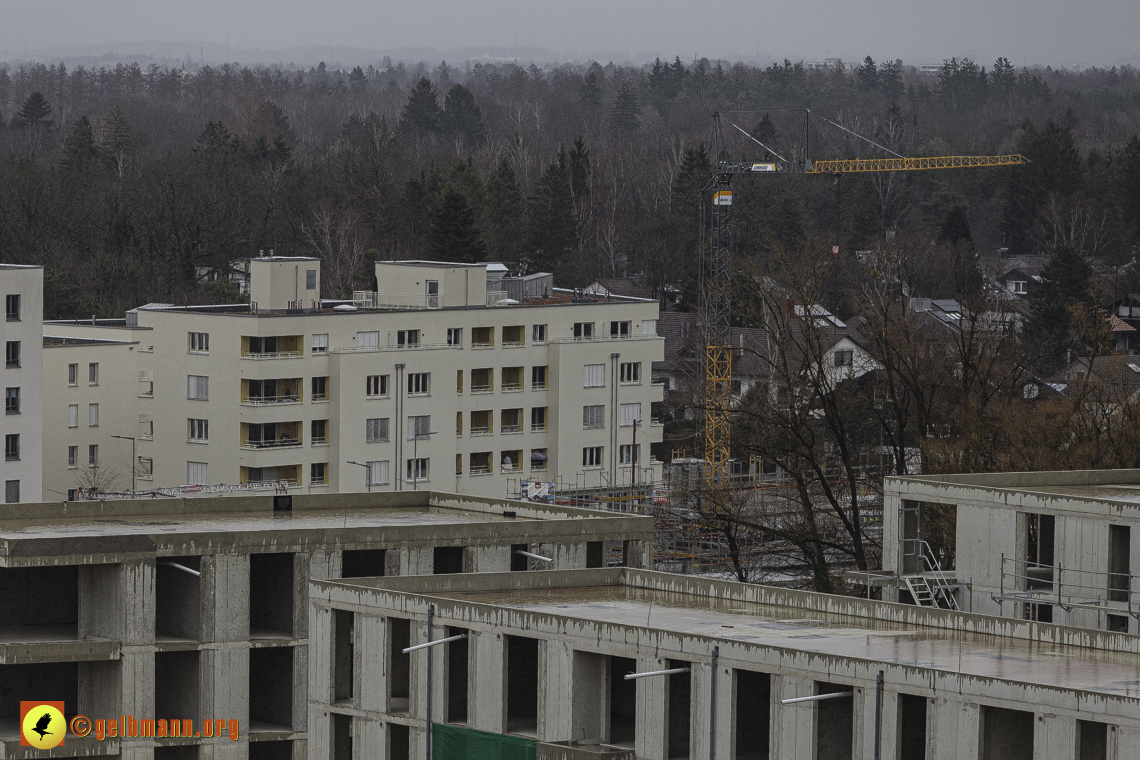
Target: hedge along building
column 543, row 659
column 197, row 608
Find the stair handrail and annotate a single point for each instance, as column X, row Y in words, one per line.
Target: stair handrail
column 936, row 568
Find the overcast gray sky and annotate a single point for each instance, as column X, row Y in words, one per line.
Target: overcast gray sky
column 1088, row 32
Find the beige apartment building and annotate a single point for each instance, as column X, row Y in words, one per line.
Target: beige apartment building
column 437, row 381
column 23, row 288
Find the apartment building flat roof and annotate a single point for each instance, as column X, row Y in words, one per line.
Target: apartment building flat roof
column 650, row 609
column 1120, row 487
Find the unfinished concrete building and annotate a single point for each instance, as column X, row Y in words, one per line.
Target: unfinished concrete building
column 544, row 658
column 197, row 608
column 1047, row 546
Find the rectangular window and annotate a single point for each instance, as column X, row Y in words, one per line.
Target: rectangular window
column 538, row 334
column 594, row 417
column 538, row 418
column 11, row 492
column 12, row 447
column 419, row 383
column 458, row 424
column 592, row 456
column 72, row 455
column 482, row 337
column 368, row 340
column 455, row 336
column 12, row 308
column 320, row 343
column 144, row 468
column 310, row 279
column 649, row 327
column 594, row 376
column 844, row 358
column 481, row 422
column 459, row 381
column 513, row 335
column 92, row 415
column 319, row 432
column 376, row 430
column 73, row 374
column 199, row 342
column 93, row 373
column 407, row 337
column 432, row 288
column 583, row 330
column 199, row 430
column 510, row 421
column 629, row 414
column 419, row 426
column 538, row 459
column 538, row 378
column 93, row 454
column 197, row 474
column 631, row 372
column 377, row 385
column 629, row 454
column 417, row 469
column 73, row 416
column 11, row 401
column 320, row 389
column 318, row 474
column 619, row 329
column 197, row 387
column 378, row 473
column 12, row 354
column 512, row 379
column 482, row 380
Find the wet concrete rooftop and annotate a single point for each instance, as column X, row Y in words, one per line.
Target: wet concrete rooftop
column 981, row 655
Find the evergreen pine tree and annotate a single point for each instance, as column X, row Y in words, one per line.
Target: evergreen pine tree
column 579, row 168
column 461, row 116
column 956, row 226
column 868, row 75
column 625, row 116
column 591, row 91
column 552, row 228
column 421, row 113
column 34, row 112
column 1129, row 188
column 1065, row 287
column 891, row 79
column 1055, row 168
column 452, row 234
column 79, row 149
column 504, row 214
column 117, row 140
column 956, row 232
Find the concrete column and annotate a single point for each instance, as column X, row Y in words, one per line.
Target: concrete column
column 320, row 733
column 701, row 680
column 368, row 740
column 137, row 582
column 725, row 713
column 301, row 687
column 793, row 726
column 225, row 591
column 300, row 595
column 565, row 556
column 232, row 750
column 324, row 565
column 1123, row 742
column 137, row 681
column 865, row 723
column 1054, row 737
column 556, row 691
column 488, row 672
column 417, row 560
column 370, row 674
column 652, row 711
column 320, row 658
column 225, row 684
column 638, row 554
column 590, row 697
column 954, row 729
column 489, row 559
column 891, row 505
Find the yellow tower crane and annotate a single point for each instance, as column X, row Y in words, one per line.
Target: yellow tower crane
column 716, row 301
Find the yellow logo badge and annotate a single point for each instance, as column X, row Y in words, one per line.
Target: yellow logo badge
column 42, row 724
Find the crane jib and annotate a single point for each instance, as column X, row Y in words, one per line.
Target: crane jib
column 851, row 165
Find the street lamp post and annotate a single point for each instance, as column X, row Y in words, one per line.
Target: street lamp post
column 367, row 474
column 416, row 458
column 130, row 438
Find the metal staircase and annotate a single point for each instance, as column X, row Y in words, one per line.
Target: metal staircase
column 928, row 592
column 920, row 590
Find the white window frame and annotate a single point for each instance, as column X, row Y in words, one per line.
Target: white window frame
column 455, row 336
column 630, row 373
column 199, row 343
column 368, row 339
column 376, row 430
column 72, row 456
column 422, row 465
column 320, row 343
column 594, row 376
column 593, row 456
column 376, row 386
column 629, row 454
column 419, row 383
column 73, row 374
column 197, row 430
column 198, row 387
column 648, row 327
column 378, row 474
column 197, row 473
column 538, row 333
column 73, row 415
column 93, row 373
column 92, row 415
column 629, row 413
column 594, row 417
column 419, row 425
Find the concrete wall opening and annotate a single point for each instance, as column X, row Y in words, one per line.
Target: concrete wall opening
column 399, row 741
column 341, row 737
column 623, row 702
column 522, row 686
column 179, row 752
column 752, row 714
column 362, row 563
column 399, row 672
column 270, row 595
column 595, row 554
column 520, row 562
column 178, row 599
column 176, row 685
column 49, row 681
column 912, row 727
column 270, row 688
column 344, row 622
column 678, row 695
column 1116, row 623
column 1119, row 540
column 447, row 560
column 1040, row 543
column 834, row 723
column 458, row 661
column 1006, row 734
column 273, row 750
column 1092, row 740
column 41, row 596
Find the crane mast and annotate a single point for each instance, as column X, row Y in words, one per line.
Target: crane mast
column 716, row 303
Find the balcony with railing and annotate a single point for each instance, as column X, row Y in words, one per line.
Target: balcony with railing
column 482, row 337
column 481, row 423
column 480, row 463
column 272, row 347
column 512, row 379
column 271, row 392
column 270, row 435
column 482, row 380
column 510, row 421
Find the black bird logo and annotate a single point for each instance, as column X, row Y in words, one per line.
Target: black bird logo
column 42, row 724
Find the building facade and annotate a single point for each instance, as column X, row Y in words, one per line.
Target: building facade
column 20, row 470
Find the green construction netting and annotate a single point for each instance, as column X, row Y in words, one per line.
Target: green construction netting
column 455, row 743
